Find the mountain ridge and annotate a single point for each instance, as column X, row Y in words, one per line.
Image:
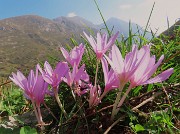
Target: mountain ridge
column 171, row 30
column 27, row 39
column 115, row 24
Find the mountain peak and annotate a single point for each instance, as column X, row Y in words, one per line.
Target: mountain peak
column 122, row 26
column 31, row 38
column 79, row 21
column 114, row 18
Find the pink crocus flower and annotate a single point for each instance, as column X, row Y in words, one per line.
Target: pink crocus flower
column 125, row 68
column 34, row 88
column 77, row 79
column 31, row 85
column 95, row 92
column 75, row 55
column 137, row 67
column 110, row 78
column 54, row 77
column 102, row 45
column 42, row 87
column 145, row 69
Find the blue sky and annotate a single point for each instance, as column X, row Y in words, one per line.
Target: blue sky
column 54, row 8
column 135, row 10
column 48, row 8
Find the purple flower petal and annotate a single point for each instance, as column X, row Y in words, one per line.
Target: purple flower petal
column 159, row 78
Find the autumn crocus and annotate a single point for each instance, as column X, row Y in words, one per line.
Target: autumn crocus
column 143, row 73
column 76, row 79
column 137, row 67
column 34, row 88
column 102, row 44
column 124, row 68
column 54, row 78
column 110, row 78
column 94, row 93
column 75, row 55
column 41, row 88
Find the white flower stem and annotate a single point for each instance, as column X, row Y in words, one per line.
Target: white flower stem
column 97, row 67
column 114, row 111
column 35, row 110
column 104, row 93
column 72, row 92
column 39, row 113
column 40, row 117
column 124, row 97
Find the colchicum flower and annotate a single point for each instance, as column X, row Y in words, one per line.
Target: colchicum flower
column 77, row 79
column 54, row 78
column 110, row 78
column 75, row 56
column 137, row 68
column 34, row 88
column 94, row 94
column 146, row 68
column 102, row 45
column 124, row 68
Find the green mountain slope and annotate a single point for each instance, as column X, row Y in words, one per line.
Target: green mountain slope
column 25, row 40
column 172, row 30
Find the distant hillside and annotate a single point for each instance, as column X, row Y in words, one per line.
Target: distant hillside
column 76, row 23
column 25, row 40
column 123, row 27
column 171, row 31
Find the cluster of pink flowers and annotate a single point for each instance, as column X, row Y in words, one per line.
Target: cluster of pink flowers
column 136, row 68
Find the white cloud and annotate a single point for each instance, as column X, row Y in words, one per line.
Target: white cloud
column 72, row 14
column 125, row 6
